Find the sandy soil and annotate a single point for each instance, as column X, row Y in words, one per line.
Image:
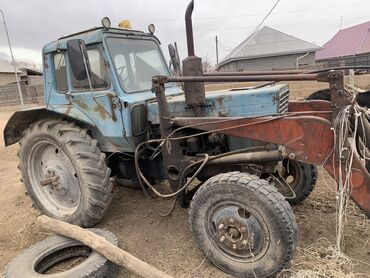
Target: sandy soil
column 167, row 243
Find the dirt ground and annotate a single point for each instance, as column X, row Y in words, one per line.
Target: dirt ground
column 167, row 243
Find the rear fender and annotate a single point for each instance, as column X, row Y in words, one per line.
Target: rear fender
column 21, row 120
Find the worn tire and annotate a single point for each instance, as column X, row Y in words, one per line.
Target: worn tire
column 40, row 257
column 81, row 153
column 255, row 195
column 304, row 181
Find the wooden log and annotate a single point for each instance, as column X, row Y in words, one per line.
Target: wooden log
column 102, row 246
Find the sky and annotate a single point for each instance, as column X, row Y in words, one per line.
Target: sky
column 31, row 24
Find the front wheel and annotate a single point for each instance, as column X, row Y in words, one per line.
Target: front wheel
column 243, row 225
column 299, row 179
column 64, row 172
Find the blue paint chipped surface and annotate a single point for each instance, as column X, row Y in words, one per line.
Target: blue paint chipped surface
column 227, row 103
column 115, row 125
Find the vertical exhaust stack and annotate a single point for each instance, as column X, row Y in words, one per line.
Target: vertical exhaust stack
column 192, row 66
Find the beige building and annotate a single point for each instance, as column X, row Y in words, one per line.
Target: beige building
column 7, row 74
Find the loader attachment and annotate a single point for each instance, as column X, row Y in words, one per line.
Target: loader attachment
column 307, row 131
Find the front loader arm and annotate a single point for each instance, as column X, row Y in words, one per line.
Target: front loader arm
column 307, row 137
column 306, row 130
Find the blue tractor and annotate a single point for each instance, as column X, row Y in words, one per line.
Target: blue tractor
column 100, row 111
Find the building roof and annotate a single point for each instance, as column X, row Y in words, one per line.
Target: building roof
column 267, row 42
column 347, row 42
column 30, row 71
column 6, row 68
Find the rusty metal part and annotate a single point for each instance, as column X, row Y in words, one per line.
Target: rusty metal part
column 338, row 98
column 278, row 77
column 194, row 92
column 360, row 180
column 307, row 138
column 189, row 28
column 246, row 73
column 274, row 72
column 306, row 130
column 248, row 158
column 233, row 234
column 50, row 179
column 291, row 131
column 192, row 66
column 310, row 105
column 174, row 160
column 322, row 107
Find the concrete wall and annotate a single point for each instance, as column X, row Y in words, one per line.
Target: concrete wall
column 283, row 62
column 6, row 77
column 35, row 80
column 358, row 60
column 32, row 94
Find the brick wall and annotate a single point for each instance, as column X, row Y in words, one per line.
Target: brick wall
column 32, row 94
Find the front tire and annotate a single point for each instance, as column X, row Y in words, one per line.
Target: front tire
column 301, row 178
column 243, row 225
column 64, row 172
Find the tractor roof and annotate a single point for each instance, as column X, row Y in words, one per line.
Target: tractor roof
column 91, row 36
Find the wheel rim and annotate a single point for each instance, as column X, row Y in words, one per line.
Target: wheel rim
column 237, row 231
column 54, row 179
column 291, row 173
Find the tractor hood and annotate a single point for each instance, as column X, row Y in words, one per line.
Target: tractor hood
column 239, row 102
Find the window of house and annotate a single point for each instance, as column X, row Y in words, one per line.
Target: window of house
column 98, row 73
column 61, row 83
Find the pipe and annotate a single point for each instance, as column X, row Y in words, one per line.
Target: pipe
column 247, row 158
column 282, row 77
column 299, row 58
column 246, row 73
column 277, row 72
column 11, row 54
column 189, row 28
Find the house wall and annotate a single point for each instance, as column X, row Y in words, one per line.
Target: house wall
column 282, row 62
column 32, row 94
column 7, row 77
column 35, row 80
column 357, row 60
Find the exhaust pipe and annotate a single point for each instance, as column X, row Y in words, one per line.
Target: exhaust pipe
column 192, row 66
column 189, row 28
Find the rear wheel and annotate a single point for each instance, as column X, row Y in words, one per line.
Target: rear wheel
column 243, row 225
column 64, row 172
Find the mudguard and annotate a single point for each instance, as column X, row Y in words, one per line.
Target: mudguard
column 20, row 120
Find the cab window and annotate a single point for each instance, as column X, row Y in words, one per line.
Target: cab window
column 61, row 83
column 98, row 73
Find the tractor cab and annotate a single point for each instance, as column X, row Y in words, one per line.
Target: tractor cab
column 102, row 77
column 106, row 84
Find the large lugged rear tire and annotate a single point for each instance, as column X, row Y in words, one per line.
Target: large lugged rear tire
column 243, row 225
column 64, row 172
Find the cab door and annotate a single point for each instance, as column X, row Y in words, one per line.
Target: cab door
column 96, row 98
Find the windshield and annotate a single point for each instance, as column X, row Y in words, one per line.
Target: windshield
column 136, row 62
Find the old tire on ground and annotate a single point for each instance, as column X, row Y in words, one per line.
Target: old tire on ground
column 301, row 178
column 68, row 160
column 243, row 225
column 42, row 256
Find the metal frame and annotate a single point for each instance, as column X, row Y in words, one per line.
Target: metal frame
column 306, row 130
